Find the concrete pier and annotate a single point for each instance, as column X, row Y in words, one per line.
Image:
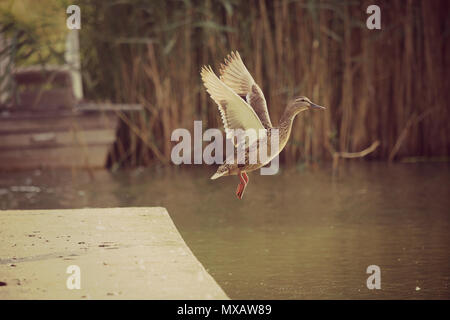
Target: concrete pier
column 120, row 253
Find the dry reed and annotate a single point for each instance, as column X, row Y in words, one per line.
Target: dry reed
column 377, row 84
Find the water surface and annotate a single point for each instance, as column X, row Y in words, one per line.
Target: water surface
column 302, row 234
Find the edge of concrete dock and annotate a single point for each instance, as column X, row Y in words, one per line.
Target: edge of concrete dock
column 114, row 253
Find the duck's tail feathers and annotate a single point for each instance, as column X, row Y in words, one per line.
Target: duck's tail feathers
column 218, row 174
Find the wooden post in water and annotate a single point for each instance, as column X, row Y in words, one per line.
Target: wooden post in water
column 5, row 74
column 72, row 56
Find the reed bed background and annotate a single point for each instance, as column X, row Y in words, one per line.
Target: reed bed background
column 387, row 85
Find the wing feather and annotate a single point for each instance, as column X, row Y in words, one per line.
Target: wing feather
column 235, row 112
column 236, row 76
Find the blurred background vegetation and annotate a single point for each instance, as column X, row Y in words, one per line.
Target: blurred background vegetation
column 387, row 85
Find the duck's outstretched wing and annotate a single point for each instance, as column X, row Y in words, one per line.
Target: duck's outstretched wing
column 235, row 112
column 236, row 76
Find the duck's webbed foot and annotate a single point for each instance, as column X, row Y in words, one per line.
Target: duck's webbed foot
column 242, row 185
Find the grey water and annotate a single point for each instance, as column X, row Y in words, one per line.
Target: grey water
column 300, row 234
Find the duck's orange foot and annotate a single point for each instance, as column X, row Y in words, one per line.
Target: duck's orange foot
column 245, row 176
column 242, row 185
column 240, row 190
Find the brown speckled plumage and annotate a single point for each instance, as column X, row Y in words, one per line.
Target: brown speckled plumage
column 236, row 82
column 284, row 131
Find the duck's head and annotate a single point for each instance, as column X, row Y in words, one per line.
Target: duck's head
column 302, row 103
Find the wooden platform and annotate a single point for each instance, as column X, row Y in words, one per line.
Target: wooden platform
column 122, row 253
column 46, row 125
column 30, row 140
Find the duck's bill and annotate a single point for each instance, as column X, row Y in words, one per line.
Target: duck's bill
column 313, row 105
